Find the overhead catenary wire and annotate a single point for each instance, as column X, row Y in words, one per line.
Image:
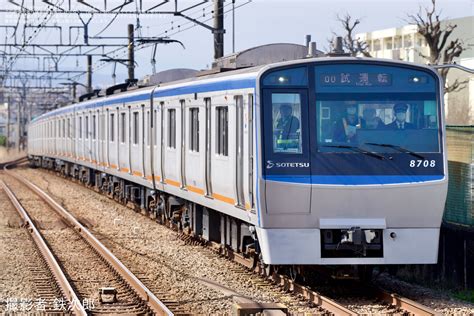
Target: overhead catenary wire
column 180, row 30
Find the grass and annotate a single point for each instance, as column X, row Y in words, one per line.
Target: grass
column 466, row 295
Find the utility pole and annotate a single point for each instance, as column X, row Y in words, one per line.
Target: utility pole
column 89, row 73
column 8, row 122
column 233, row 26
column 18, row 124
column 74, row 91
column 218, row 28
column 131, row 56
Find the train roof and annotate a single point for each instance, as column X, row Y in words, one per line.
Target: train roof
column 135, row 94
column 245, row 76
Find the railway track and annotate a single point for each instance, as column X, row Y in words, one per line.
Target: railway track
column 41, row 278
column 284, row 283
column 399, row 304
column 79, row 262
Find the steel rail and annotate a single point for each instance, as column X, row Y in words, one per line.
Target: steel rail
column 145, row 294
column 286, row 283
column 53, row 265
column 406, row 304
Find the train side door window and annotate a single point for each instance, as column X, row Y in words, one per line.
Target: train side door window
column 123, row 128
column 222, row 131
column 286, row 122
column 68, row 128
column 172, row 128
column 194, row 129
column 102, row 127
column 112, row 128
column 135, row 128
column 94, row 127
column 87, row 127
column 148, row 128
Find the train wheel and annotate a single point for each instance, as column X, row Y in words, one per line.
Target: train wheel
column 293, row 272
column 268, row 269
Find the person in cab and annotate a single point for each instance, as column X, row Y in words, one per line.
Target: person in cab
column 400, row 122
column 345, row 129
column 371, row 120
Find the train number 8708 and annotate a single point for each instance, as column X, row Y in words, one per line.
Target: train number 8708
column 422, row 163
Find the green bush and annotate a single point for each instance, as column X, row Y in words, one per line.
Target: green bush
column 467, row 295
column 3, row 140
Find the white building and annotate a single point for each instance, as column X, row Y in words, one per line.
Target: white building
column 405, row 43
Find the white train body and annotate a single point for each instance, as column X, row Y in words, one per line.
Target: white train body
column 216, row 142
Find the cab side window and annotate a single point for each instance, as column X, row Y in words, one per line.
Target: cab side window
column 286, row 121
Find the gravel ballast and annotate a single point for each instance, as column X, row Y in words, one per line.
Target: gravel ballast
column 183, row 269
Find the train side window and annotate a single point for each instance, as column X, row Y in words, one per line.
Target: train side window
column 123, row 128
column 112, row 127
column 172, row 128
column 222, row 130
column 94, row 127
column 135, row 128
column 194, row 129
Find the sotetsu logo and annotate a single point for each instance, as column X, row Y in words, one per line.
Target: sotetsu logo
column 271, row 164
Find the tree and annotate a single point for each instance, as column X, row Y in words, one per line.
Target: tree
column 442, row 49
column 354, row 45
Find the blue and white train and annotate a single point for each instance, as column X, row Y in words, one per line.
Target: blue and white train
column 272, row 159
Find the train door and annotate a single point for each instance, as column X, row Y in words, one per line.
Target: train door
column 182, row 156
column 286, row 151
column 79, row 137
column 102, row 138
column 107, row 137
column 208, row 147
column 147, row 131
column 95, row 142
column 195, row 149
column 161, row 138
column 87, row 140
column 223, row 150
column 171, row 149
column 239, row 152
column 136, row 153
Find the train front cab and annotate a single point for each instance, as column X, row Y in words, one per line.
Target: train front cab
column 341, row 181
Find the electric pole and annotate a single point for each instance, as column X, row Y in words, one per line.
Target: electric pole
column 89, row 73
column 218, row 28
column 131, row 57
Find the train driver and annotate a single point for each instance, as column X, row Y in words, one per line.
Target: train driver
column 400, row 113
column 345, row 129
column 371, row 120
column 287, row 128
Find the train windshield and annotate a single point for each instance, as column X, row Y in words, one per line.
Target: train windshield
column 379, row 109
column 349, row 118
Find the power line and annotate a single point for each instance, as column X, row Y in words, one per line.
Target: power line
column 143, row 46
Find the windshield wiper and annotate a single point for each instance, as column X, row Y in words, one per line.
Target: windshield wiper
column 359, row 150
column 398, row 148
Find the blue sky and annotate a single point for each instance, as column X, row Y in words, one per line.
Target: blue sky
column 258, row 22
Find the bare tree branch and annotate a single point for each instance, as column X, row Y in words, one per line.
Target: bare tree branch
column 354, row 45
column 442, row 50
